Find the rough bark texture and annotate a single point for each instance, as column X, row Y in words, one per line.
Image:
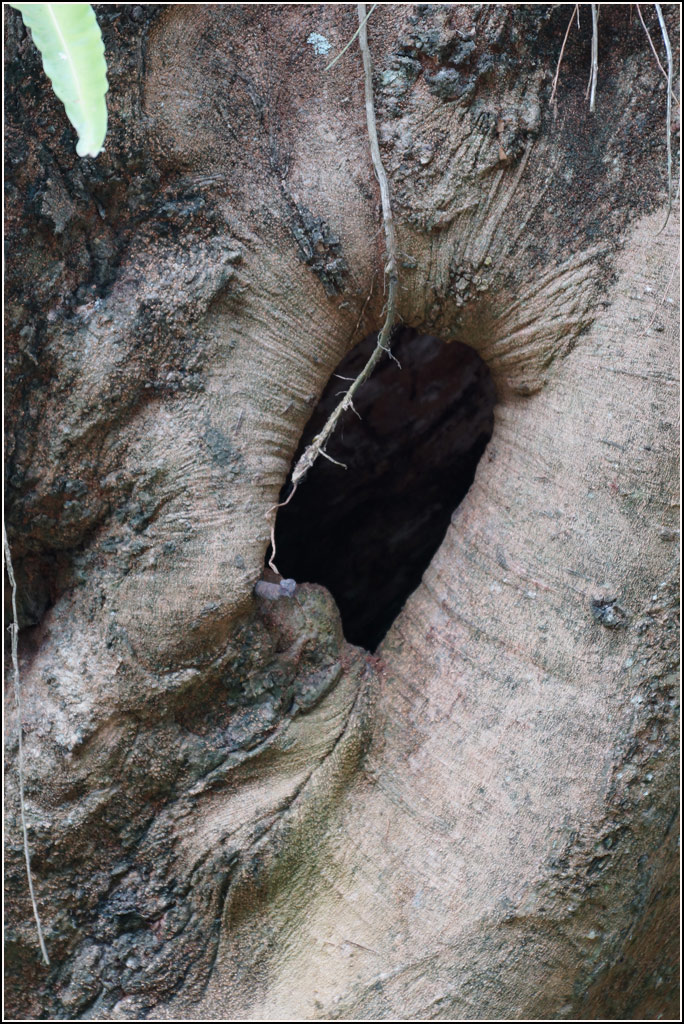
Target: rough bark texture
column 232, row 811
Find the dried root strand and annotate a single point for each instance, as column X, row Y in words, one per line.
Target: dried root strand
column 344, row 50
column 668, row 51
column 593, row 78
column 14, row 632
column 554, row 84
column 317, row 446
column 653, row 49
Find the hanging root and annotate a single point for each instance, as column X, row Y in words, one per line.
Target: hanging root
column 668, row 50
column 593, row 78
column 560, row 59
column 654, row 51
column 344, row 50
column 317, row 446
column 280, row 504
column 14, row 631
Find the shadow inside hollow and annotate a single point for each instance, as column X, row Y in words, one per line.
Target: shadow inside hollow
column 368, row 532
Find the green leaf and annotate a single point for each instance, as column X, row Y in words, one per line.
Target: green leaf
column 70, row 43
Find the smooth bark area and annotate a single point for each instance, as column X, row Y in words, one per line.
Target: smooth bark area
column 233, row 812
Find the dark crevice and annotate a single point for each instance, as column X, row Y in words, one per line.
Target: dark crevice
column 368, row 532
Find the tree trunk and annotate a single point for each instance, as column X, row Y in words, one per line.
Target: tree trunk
column 232, row 811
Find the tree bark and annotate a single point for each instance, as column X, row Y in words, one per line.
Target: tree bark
column 233, row 812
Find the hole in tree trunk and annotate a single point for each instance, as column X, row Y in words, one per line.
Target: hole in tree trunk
column 368, row 532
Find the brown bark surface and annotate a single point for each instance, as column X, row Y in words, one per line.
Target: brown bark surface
column 233, row 812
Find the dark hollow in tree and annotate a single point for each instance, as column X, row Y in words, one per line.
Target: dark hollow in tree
column 368, row 532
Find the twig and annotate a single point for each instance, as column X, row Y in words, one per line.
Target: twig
column 343, row 51
column 14, row 631
column 317, row 446
column 668, row 50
